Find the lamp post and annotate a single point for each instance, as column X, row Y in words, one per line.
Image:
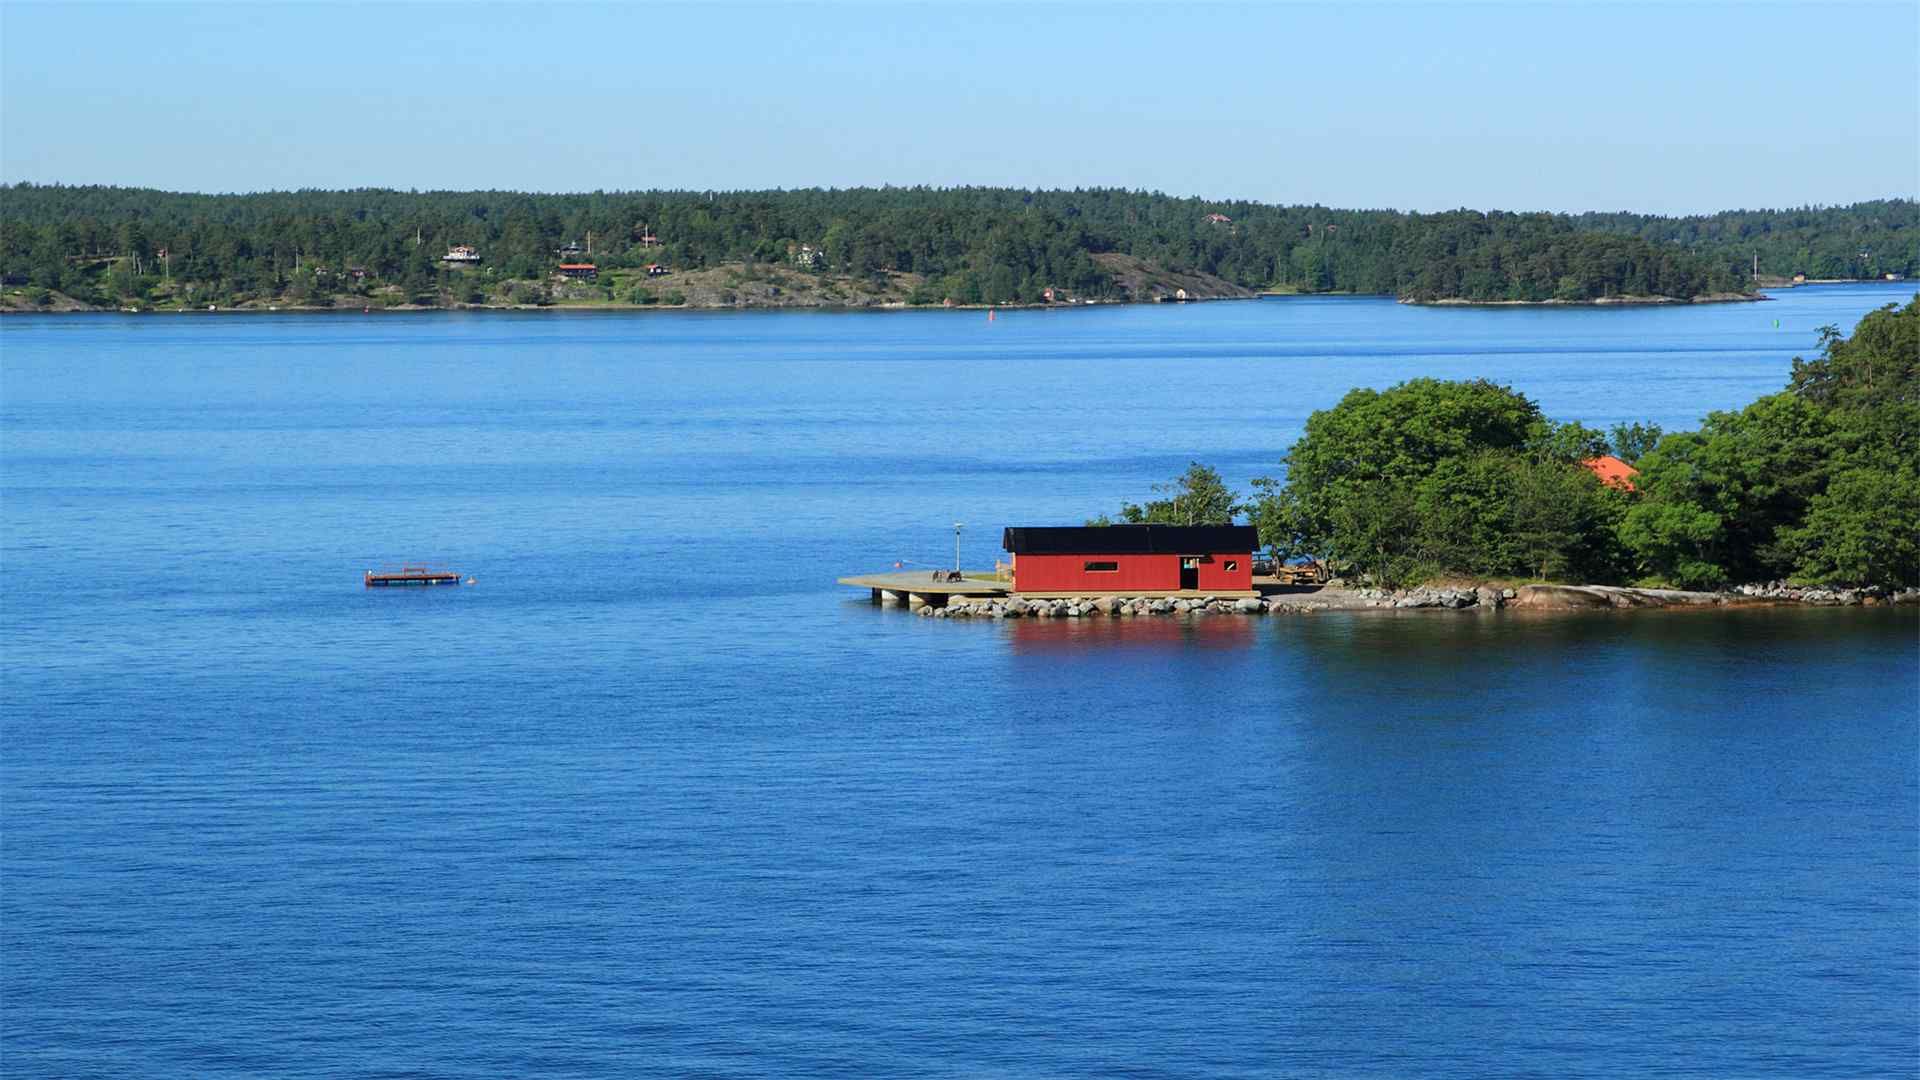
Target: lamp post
column 957, row 526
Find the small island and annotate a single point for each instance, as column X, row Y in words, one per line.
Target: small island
column 1463, row 495
column 70, row 248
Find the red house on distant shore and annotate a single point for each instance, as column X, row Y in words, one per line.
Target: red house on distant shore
column 1133, row 560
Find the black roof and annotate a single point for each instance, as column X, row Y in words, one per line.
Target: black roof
column 1132, row 540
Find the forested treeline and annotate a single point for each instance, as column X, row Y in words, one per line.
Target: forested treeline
column 1864, row 240
column 967, row 244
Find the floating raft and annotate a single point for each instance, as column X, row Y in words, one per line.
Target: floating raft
column 411, row 575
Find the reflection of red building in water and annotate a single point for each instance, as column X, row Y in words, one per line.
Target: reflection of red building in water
column 1051, row 637
column 1133, row 560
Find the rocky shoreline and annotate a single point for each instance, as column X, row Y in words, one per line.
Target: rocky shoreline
column 1106, row 606
column 1825, row 595
column 1480, row 598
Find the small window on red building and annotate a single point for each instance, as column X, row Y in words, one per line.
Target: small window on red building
column 1232, row 565
column 1101, row 567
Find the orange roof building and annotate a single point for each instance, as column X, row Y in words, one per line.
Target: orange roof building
column 1612, row 471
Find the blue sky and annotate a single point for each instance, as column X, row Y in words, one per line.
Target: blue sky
column 1667, row 108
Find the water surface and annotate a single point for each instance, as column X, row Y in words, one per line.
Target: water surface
column 656, row 796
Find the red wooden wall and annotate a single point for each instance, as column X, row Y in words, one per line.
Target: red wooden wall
column 1065, row 573
column 1215, row 577
column 1137, row 574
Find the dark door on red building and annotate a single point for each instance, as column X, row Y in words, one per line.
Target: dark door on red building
column 1189, row 573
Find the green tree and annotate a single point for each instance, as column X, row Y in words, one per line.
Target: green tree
column 1863, row 530
column 123, row 282
column 301, row 284
column 1462, row 521
column 1630, row 442
column 1873, row 378
column 1817, row 482
column 1196, row 497
column 1684, row 542
column 1397, row 437
column 1570, row 442
column 1562, row 522
column 1000, row 284
column 1275, row 511
column 1377, row 532
column 1750, row 472
column 838, row 245
column 1432, row 477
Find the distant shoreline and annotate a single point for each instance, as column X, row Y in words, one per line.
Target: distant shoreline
column 1604, row 301
column 610, row 307
column 1789, row 283
column 13, row 302
column 70, row 307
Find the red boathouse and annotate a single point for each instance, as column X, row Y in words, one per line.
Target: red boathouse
column 1133, row 560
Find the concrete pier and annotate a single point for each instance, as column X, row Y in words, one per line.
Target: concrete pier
column 917, row 589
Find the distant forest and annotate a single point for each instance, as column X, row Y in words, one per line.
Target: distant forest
column 101, row 245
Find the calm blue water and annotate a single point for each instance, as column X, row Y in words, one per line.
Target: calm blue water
column 656, row 796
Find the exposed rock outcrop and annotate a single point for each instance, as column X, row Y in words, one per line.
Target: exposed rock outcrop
column 1143, row 281
column 1576, row 597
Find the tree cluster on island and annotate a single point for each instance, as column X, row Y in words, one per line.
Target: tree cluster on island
column 110, row 246
column 1433, row 479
